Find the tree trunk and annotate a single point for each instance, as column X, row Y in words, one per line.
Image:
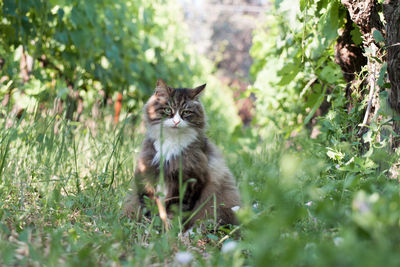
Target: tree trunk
column 365, row 14
column 350, row 58
column 391, row 11
column 348, row 55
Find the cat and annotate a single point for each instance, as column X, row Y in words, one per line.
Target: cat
column 177, row 115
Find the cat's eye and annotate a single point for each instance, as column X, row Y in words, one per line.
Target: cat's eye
column 168, row 111
column 186, row 113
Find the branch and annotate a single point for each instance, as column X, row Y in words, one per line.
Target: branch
column 372, row 86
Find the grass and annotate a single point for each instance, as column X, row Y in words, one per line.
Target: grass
column 62, row 185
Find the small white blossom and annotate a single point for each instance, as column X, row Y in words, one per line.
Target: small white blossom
column 235, row 208
column 309, row 203
column 229, row 247
column 337, row 166
column 183, row 257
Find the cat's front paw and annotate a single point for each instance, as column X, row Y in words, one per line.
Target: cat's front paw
column 131, row 207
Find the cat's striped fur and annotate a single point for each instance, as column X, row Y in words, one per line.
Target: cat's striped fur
column 179, row 115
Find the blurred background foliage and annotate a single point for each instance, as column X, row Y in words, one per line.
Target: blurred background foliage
column 86, row 53
column 318, row 186
column 294, row 68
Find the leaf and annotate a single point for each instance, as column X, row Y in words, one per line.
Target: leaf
column 378, row 36
column 330, row 23
column 79, row 39
column 288, row 73
column 57, row 2
column 356, row 35
column 382, row 72
column 315, row 107
column 367, row 137
column 303, row 4
column 61, row 36
column 349, row 181
column 330, row 74
column 334, row 154
column 89, row 10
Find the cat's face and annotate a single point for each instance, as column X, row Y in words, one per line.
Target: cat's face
column 176, row 109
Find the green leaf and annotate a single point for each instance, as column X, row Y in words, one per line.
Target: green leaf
column 288, row 73
column 315, row 107
column 367, row 137
column 330, row 23
column 303, row 4
column 382, row 74
column 356, row 35
column 378, row 36
column 330, row 74
column 57, row 2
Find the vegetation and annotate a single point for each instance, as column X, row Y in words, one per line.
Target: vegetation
column 81, row 49
column 319, row 183
column 330, row 197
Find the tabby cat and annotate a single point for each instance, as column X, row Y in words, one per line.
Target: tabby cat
column 175, row 123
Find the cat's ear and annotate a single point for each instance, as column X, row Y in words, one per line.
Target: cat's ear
column 162, row 88
column 196, row 91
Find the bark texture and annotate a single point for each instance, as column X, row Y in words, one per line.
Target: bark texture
column 364, row 13
column 348, row 55
column 350, row 58
column 391, row 11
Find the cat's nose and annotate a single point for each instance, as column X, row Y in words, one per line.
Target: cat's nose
column 176, row 122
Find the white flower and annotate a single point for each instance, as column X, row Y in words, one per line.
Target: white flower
column 309, row 203
column 183, row 257
column 235, row 208
column 229, row 246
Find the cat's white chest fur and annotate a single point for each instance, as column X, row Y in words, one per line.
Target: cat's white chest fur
column 174, row 142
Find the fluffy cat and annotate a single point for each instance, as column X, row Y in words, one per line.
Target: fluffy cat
column 177, row 115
